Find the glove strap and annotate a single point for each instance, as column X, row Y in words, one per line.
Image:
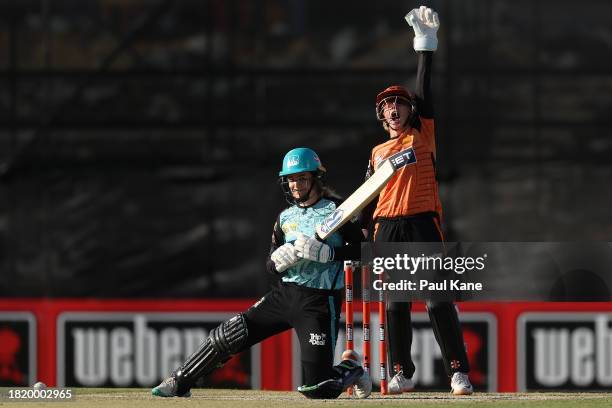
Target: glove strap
column 425, row 43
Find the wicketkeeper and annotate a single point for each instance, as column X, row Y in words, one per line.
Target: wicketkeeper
column 409, row 209
column 308, row 296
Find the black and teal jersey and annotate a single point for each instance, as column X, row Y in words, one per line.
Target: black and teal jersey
column 346, row 243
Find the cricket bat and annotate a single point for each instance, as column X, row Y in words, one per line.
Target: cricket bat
column 365, row 193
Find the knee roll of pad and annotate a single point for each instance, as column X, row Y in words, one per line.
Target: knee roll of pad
column 230, row 336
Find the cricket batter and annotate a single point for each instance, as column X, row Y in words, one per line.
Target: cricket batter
column 409, row 209
column 307, row 298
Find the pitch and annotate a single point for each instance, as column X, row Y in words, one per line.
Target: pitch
column 214, row 398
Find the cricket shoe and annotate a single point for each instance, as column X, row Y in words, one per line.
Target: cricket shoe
column 400, row 384
column 460, row 384
column 167, row 388
column 363, row 386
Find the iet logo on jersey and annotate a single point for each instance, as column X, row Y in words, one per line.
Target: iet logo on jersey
column 403, row 158
column 293, row 161
column 331, row 220
column 317, row 339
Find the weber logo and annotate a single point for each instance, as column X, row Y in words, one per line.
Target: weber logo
column 403, row 158
column 480, row 335
column 141, row 349
column 565, row 351
column 17, row 349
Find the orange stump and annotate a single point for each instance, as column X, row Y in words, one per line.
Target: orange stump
column 365, row 300
column 382, row 346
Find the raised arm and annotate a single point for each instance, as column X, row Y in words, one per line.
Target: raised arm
column 425, row 23
column 422, row 89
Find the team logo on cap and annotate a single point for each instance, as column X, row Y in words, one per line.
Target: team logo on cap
column 293, row 161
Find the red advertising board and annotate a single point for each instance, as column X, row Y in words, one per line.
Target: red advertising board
column 134, row 342
column 17, row 348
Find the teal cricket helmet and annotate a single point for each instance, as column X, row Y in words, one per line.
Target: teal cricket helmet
column 299, row 160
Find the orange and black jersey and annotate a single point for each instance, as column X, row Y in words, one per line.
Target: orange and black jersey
column 413, row 189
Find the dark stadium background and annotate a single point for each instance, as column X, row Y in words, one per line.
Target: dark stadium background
column 140, row 140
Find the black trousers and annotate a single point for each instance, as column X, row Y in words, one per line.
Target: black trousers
column 313, row 313
column 443, row 315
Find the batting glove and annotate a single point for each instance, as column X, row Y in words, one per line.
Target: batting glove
column 312, row 249
column 283, row 257
column 424, row 21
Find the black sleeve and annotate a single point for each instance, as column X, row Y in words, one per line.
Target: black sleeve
column 423, row 84
column 278, row 239
column 352, row 237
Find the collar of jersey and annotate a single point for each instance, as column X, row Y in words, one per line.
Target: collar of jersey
column 311, row 205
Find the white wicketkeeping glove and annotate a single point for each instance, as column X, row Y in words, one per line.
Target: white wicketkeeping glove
column 312, row 249
column 425, row 23
column 283, row 257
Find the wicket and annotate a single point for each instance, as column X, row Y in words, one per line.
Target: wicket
column 366, row 299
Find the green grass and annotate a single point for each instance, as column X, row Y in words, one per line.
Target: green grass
column 142, row 398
